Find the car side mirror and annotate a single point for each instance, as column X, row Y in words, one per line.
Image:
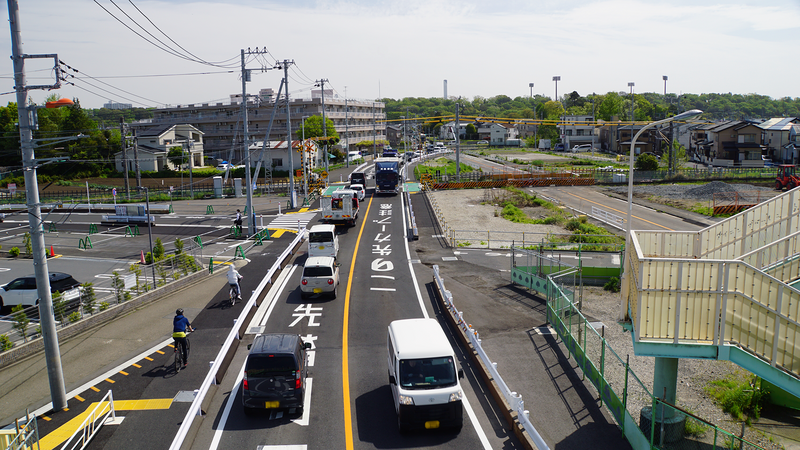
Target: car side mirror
column 460, row 373
column 392, row 380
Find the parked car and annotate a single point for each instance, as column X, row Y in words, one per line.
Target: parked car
column 22, row 291
column 275, row 373
column 483, row 142
column 582, row 148
column 559, row 147
column 320, row 276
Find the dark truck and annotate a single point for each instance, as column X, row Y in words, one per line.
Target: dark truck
column 387, row 175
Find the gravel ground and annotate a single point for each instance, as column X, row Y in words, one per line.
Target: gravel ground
column 602, row 305
column 698, row 192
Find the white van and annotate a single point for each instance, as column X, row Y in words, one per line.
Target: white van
column 423, row 375
column 323, row 241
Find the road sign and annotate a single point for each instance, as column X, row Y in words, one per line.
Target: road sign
column 114, row 192
column 12, row 188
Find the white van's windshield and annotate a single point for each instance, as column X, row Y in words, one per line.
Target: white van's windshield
column 427, row 373
column 320, row 236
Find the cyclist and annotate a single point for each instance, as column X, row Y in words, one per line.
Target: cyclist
column 179, row 326
column 233, row 281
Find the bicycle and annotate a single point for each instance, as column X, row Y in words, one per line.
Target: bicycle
column 179, row 362
column 234, row 289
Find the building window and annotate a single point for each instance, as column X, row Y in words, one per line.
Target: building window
column 578, row 132
column 277, row 162
column 747, row 138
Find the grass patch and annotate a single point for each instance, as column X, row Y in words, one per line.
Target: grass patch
column 443, row 166
column 738, row 395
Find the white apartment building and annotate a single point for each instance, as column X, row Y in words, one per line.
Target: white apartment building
column 354, row 120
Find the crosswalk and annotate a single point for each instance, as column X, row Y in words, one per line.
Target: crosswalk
column 291, row 221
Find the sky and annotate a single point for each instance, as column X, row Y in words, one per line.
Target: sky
column 368, row 49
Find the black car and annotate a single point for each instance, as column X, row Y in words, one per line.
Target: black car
column 275, row 373
column 358, row 178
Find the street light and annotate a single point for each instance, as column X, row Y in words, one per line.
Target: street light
column 630, row 85
column 530, row 85
column 665, row 78
column 628, row 238
column 556, row 79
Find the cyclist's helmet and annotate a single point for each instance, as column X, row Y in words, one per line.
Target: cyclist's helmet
column 179, row 312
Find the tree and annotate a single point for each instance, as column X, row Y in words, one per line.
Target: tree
column 313, row 130
column 610, row 107
column 646, row 161
column 21, row 321
column 178, row 156
column 88, row 297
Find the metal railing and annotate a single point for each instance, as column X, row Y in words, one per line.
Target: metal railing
column 25, row 437
column 513, row 399
column 216, row 365
column 91, row 425
column 625, row 396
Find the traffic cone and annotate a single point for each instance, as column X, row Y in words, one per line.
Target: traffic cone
column 141, row 261
column 52, row 253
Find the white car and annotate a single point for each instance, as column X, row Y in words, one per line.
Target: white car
column 22, row 291
column 320, row 276
column 360, row 191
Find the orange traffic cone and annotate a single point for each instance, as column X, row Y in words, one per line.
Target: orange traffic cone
column 142, row 260
column 52, row 253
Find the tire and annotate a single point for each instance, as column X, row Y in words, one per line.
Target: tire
column 335, row 292
column 248, row 411
column 178, row 359
column 303, row 295
column 778, row 186
column 403, row 428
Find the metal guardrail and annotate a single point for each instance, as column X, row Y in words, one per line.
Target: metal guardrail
column 414, row 230
column 25, row 437
column 608, row 218
column 92, row 424
column 513, row 399
column 194, row 409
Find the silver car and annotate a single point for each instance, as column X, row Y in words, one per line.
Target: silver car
column 320, row 276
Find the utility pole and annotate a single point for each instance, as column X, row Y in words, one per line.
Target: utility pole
column 458, row 153
column 136, row 161
column 374, row 153
column 123, row 142
column 324, row 125
column 285, row 65
column 346, row 142
column 47, row 322
column 251, row 224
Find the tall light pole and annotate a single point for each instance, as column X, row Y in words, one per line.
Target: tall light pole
column 630, row 85
column 324, row 125
column 530, row 85
column 665, row 78
column 556, row 79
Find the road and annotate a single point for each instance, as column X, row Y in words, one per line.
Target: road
column 349, row 401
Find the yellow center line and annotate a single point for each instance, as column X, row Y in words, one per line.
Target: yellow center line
column 348, row 420
column 614, row 209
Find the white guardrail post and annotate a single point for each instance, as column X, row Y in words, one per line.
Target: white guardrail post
column 194, row 409
column 513, row 399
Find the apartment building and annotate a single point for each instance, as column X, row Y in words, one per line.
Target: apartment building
column 221, row 123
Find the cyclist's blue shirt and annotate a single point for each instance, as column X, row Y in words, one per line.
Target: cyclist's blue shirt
column 179, row 325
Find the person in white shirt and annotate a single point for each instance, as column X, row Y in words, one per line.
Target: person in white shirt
column 233, row 281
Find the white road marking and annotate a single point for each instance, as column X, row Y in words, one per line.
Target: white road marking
column 388, row 277
column 382, row 289
column 470, row 413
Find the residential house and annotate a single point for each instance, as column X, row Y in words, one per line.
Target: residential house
column 496, row 133
column 734, row 143
column 394, row 134
column 578, row 130
column 777, row 139
column 154, row 144
column 276, row 156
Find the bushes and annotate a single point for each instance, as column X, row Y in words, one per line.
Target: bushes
column 14, row 252
column 739, row 396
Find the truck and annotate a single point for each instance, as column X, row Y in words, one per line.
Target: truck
column 387, row 175
column 339, row 205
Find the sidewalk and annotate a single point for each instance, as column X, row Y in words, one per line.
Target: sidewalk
column 25, row 384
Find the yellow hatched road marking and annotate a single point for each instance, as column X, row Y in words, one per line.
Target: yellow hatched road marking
column 62, row 433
